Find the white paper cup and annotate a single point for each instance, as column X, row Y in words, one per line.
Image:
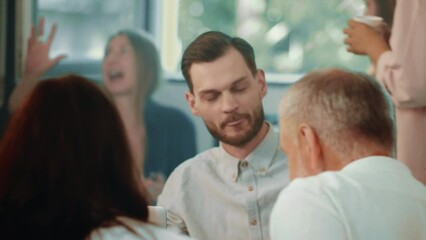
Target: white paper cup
column 372, row 21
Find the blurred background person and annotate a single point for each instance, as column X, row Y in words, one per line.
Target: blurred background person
column 131, row 72
column 67, row 170
column 160, row 137
column 400, row 67
column 384, row 9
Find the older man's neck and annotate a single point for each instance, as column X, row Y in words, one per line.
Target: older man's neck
column 337, row 161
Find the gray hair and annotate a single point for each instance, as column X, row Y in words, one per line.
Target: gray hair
column 349, row 111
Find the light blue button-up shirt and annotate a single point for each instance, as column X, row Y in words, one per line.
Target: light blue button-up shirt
column 217, row 196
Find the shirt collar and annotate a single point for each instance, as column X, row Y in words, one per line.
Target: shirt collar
column 259, row 159
column 378, row 164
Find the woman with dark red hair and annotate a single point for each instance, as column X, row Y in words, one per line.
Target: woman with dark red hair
column 66, row 169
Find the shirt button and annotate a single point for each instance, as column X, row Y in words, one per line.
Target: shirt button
column 250, row 188
column 244, row 164
column 253, row 221
column 262, row 169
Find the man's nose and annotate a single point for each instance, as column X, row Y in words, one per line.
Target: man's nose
column 229, row 103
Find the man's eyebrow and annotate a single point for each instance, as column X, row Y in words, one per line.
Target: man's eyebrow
column 213, row 91
column 208, row 91
column 239, row 80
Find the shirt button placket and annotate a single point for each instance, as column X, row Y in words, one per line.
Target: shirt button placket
column 244, row 164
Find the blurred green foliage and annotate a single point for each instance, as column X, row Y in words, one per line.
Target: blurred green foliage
column 289, row 36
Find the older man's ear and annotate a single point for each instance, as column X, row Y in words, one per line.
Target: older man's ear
column 311, row 149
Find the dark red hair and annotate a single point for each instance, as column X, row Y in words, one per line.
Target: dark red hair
column 65, row 164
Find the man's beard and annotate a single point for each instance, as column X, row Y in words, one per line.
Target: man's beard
column 255, row 124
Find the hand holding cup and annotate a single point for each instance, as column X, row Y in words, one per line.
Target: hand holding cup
column 365, row 36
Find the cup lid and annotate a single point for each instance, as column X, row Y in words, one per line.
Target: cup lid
column 373, row 21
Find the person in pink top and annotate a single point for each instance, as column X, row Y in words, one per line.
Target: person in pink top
column 401, row 68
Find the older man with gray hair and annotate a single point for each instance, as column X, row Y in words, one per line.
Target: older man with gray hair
column 337, row 131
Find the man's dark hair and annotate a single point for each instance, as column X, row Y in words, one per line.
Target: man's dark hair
column 209, row 46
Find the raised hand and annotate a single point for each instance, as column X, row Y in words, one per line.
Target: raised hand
column 154, row 185
column 38, row 62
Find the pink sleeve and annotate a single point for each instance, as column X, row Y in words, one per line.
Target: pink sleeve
column 403, row 70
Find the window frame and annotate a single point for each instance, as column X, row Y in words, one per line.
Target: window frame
column 90, row 68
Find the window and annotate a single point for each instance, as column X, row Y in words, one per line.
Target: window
column 289, row 37
column 3, row 20
column 84, row 28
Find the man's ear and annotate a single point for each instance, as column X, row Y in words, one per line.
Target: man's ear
column 261, row 81
column 190, row 99
column 312, row 148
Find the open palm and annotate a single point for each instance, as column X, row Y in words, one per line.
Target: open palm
column 38, row 61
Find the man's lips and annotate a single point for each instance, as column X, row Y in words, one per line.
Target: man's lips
column 233, row 123
column 233, row 120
